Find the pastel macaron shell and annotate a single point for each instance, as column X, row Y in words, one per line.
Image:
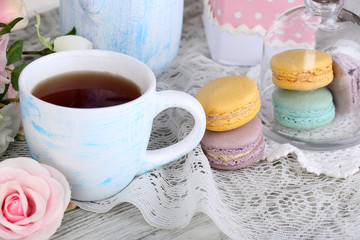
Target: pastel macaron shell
column 234, row 149
column 303, row 109
column 301, row 69
column 229, row 102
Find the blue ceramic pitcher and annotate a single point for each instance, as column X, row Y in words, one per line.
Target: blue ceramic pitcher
column 149, row 30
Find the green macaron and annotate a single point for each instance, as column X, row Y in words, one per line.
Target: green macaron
column 303, row 109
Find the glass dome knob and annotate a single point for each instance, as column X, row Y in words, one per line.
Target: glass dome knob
column 324, row 8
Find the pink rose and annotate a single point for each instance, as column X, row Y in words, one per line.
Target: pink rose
column 33, row 199
column 4, row 75
column 11, row 9
column 12, row 93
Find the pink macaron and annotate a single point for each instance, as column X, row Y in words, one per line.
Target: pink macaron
column 236, row 148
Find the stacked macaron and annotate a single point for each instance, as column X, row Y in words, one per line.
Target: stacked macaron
column 346, row 84
column 233, row 138
column 301, row 99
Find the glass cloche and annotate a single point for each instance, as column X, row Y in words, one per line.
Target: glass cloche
column 310, row 77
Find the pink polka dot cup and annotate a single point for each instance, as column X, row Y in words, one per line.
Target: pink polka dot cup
column 235, row 28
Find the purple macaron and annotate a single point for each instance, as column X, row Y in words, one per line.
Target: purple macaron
column 234, row 149
column 345, row 86
column 346, row 83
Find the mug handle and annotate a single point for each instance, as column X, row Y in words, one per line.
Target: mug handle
column 173, row 98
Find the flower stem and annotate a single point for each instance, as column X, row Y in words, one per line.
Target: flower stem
column 6, row 101
column 43, row 52
column 31, row 52
column 12, row 99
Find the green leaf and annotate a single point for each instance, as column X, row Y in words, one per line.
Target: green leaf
column 20, row 137
column 72, row 32
column 42, row 39
column 2, row 95
column 14, row 22
column 14, row 53
column 15, row 76
column 6, row 28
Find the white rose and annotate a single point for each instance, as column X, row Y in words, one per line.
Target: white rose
column 71, row 42
column 9, row 125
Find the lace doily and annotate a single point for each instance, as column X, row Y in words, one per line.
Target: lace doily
column 289, row 194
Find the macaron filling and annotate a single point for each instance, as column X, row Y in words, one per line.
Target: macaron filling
column 239, row 117
column 300, row 80
column 227, row 157
column 235, row 113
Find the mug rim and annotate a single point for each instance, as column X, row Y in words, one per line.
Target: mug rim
column 28, row 92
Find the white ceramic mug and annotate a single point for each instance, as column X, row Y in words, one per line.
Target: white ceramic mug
column 100, row 150
column 149, row 30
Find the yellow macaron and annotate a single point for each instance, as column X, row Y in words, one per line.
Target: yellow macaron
column 301, row 69
column 229, row 102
